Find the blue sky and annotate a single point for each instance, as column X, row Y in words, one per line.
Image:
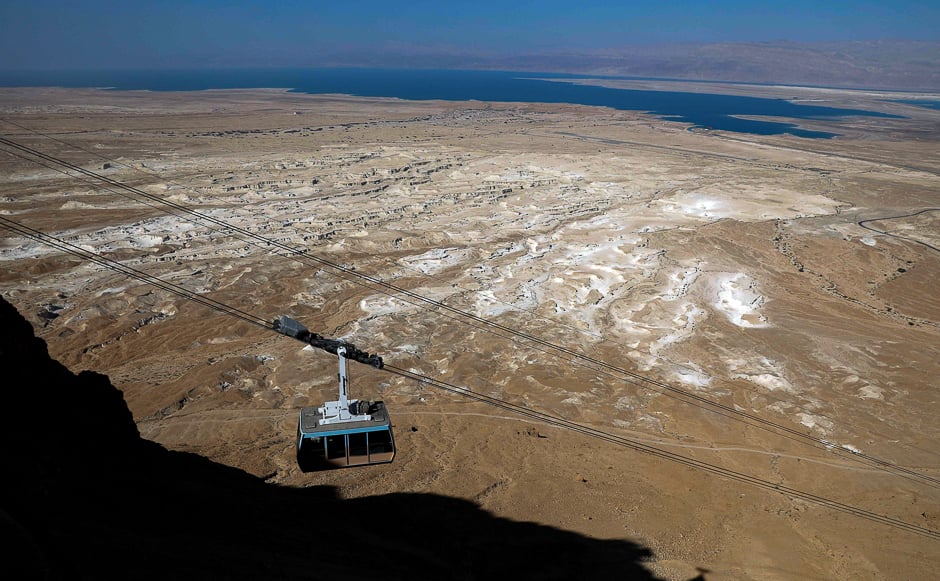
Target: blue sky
column 50, row 34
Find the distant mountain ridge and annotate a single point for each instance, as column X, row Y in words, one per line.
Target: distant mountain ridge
column 884, row 64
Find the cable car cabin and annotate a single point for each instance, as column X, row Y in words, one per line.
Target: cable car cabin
column 358, row 442
column 344, row 432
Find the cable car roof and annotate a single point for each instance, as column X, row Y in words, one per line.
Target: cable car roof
column 310, row 423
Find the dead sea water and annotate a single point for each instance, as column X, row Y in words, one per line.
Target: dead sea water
column 705, row 110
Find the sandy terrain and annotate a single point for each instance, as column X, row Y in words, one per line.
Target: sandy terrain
column 727, row 267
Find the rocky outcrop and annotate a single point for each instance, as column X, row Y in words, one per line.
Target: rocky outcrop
column 48, row 405
column 85, row 497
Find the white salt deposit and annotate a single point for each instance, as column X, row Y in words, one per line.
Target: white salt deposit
column 683, row 326
column 381, row 305
column 111, row 291
column 813, row 422
column 692, row 374
column 626, row 403
column 679, row 283
column 650, row 423
column 769, row 381
column 435, row 260
column 761, row 371
column 487, row 305
column 871, row 392
column 146, row 241
column 738, row 301
column 696, row 205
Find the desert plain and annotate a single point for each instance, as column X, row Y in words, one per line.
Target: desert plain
column 785, row 279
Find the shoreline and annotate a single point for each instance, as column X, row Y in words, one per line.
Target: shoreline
column 727, row 107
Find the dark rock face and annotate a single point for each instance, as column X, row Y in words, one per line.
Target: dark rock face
column 85, row 497
column 60, row 433
column 84, row 406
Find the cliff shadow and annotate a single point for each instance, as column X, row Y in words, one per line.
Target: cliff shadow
column 85, row 497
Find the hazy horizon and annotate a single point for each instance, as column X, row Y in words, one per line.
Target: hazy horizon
column 57, row 34
column 844, row 43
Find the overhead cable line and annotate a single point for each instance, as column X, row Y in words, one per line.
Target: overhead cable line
column 663, row 454
column 378, row 285
column 829, row 445
column 865, row 224
column 132, row 272
column 826, row 443
column 532, row 414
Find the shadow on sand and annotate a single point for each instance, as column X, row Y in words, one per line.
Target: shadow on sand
column 86, row 497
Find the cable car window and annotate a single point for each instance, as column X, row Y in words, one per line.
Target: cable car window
column 336, row 446
column 313, row 447
column 380, row 442
column 358, row 444
column 311, row 455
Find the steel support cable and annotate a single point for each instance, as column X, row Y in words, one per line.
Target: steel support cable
column 93, row 184
column 302, row 255
column 227, row 231
column 292, row 255
column 351, row 274
column 663, row 454
column 298, row 253
column 132, row 272
column 497, row 402
column 154, row 174
column 155, row 202
column 864, row 224
column 509, row 305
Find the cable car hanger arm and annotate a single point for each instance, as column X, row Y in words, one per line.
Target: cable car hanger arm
column 293, row 328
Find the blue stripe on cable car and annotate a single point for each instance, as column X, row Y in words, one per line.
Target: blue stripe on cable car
column 346, row 431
